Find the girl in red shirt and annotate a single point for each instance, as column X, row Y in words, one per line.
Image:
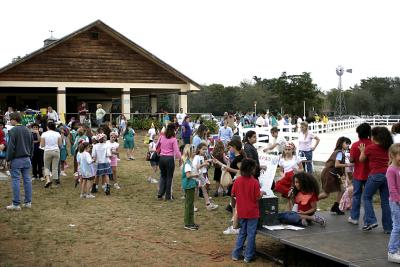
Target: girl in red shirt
column 378, row 156
column 303, row 203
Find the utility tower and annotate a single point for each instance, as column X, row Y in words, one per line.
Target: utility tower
column 340, row 101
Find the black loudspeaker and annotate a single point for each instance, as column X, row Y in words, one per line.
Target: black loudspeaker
column 268, row 211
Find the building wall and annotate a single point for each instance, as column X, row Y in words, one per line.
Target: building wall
column 83, row 58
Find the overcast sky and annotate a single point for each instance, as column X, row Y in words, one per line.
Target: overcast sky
column 216, row 41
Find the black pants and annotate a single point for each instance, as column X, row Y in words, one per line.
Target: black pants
column 167, row 167
column 37, row 163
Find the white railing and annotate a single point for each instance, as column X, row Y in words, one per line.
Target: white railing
column 291, row 132
column 381, row 121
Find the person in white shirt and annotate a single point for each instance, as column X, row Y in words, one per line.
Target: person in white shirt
column 260, row 122
column 52, row 114
column 305, row 145
column 396, row 132
column 51, row 142
column 277, row 143
column 100, row 113
column 152, row 132
column 180, row 116
column 101, row 154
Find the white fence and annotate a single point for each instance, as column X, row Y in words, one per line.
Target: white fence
column 381, row 121
column 291, row 132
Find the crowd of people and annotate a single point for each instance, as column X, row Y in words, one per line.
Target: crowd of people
column 370, row 164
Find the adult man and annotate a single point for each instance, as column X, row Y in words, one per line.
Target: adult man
column 82, row 111
column 277, row 143
column 19, row 152
column 180, row 116
column 225, row 133
column 260, row 122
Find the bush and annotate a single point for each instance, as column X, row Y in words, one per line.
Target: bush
column 144, row 123
column 212, row 126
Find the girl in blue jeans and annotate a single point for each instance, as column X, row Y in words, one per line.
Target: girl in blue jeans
column 378, row 155
column 393, row 180
column 304, row 198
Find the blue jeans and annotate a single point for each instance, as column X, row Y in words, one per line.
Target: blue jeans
column 356, row 202
column 307, row 165
column 375, row 182
column 394, row 242
column 289, row 217
column 247, row 231
column 21, row 166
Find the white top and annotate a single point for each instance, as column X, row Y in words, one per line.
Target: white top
column 180, row 117
column 52, row 116
column 289, row 165
column 197, row 161
column 396, row 138
column 51, row 140
column 305, row 142
column 113, row 147
column 188, row 168
column 100, row 113
column 260, row 121
column 101, row 152
column 152, row 133
column 281, row 123
column 281, row 141
column 85, row 164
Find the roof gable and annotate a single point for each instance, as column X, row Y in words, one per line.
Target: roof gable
column 82, row 57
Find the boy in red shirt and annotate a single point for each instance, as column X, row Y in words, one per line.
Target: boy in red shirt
column 246, row 190
column 361, row 170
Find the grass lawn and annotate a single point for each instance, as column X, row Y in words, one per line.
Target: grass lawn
column 129, row 228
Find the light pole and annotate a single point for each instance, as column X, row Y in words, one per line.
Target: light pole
column 340, row 101
column 255, row 107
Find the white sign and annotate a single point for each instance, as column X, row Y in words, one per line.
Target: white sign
column 269, row 164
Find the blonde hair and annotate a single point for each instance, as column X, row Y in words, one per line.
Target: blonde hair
column 99, row 106
column 393, row 151
column 187, row 153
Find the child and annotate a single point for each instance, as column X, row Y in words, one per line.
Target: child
column 361, row 171
column 219, row 154
column 63, row 150
column 288, row 165
column 113, row 145
column 37, row 159
column 154, row 158
column 189, row 185
column 305, row 198
column 86, row 169
column 378, row 157
column 101, row 154
column 129, row 141
column 200, row 165
column 332, row 173
column 393, row 180
column 245, row 196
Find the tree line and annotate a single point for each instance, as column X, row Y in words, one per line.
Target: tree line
column 287, row 93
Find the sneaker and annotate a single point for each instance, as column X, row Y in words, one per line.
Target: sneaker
column 212, row 206
column 82, row 196
column 320, row 220
column 63, row 173
column 94, row 189
column 27, row 205
column 108, row 190
column 369, row 227
column 196, row 226
column 394, row 257
column 350, row 220
column 13, row 207
column 247, row 260
column 104, row 187
column 90, row 196
column 153, row 181
column 8, row 173
column 235, row 259
column 116, row 186
column 132, row 158
column 231, row 231
column 190, row 227
column 183, row 197
column 149, row 179
column 195, row 209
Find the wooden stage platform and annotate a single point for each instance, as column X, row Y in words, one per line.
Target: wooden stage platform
column 339, row 241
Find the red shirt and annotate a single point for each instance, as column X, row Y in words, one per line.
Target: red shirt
column 247, row 192
column 304, row 200
column 361, row 169
column 378, row 158
column 2, row 140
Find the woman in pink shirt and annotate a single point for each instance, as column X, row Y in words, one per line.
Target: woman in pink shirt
column 168, row 149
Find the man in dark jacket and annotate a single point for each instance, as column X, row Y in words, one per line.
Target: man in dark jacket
column 19, row 152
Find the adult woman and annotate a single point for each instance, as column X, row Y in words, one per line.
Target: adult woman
column 168, row 149
column 51, row 141
column 82, row 111
column 251, row 152
column 200, row 136
column 52, row 114
column 186, row 130
column 305, row 145
column 100, row 113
